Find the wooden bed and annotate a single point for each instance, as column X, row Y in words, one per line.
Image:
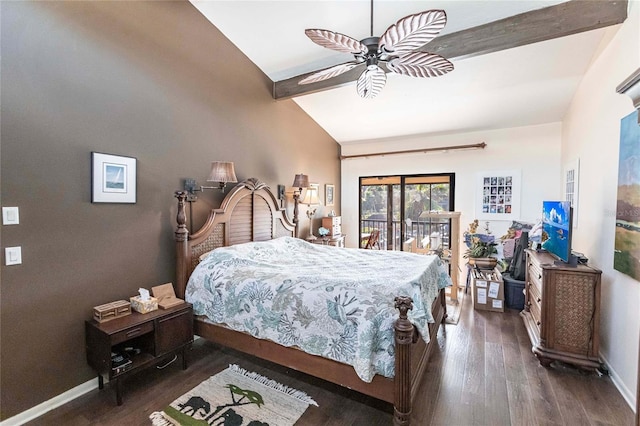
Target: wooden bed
column 250, row 212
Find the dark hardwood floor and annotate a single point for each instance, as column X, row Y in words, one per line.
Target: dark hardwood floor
column 482, row 373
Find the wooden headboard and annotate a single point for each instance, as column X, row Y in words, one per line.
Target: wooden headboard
column 250, row 212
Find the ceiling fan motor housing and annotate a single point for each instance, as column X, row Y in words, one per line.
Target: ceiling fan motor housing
column 371, row 57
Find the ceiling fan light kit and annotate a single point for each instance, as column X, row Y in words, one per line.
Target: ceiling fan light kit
column 396, row 49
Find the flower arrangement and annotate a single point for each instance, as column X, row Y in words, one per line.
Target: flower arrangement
column 323, row 232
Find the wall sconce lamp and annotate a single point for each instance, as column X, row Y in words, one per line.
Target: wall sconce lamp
column 222, row 172
column 311, row 199
column 300, row 181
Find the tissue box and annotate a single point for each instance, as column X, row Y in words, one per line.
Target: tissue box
column 144, row 306
column 112, row 310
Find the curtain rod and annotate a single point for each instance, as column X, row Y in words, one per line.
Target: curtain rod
column 480, row 145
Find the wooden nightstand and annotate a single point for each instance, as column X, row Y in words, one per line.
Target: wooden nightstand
column 336, row 240
column 145, row 338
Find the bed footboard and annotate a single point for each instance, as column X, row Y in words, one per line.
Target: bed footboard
column 412, row 355
column 404, row 333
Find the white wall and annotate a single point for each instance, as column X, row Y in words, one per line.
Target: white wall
column 591, row 132
column 534, row 150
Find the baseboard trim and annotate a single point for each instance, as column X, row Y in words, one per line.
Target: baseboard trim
column 55, row 402
column 49, row 405
column 626, row 393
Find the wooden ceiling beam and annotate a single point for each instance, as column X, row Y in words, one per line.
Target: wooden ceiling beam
column 548, row 23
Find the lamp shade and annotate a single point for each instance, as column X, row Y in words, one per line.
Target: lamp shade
column 301, row 181
column 311, row 197
column 222, row 171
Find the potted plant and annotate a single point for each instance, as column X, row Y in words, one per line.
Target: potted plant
column 480, row 251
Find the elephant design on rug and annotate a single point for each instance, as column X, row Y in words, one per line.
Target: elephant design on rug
column 194, row 404
column 198, row 406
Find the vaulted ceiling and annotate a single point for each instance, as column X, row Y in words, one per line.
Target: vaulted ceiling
column 516, row 62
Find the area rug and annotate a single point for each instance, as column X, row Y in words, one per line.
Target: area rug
column 236, row 397
column 454, row 307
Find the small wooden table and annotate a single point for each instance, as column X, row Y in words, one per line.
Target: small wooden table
column 145, row 338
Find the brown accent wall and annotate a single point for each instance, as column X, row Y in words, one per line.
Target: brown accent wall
column 152, row 80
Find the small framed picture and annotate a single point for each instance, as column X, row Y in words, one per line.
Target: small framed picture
column 113, row 178
column 329, row 192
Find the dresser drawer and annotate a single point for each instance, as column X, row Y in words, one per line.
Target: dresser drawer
column 534, row 308
column 131, row 333
column 534, row 294
column 535, row 276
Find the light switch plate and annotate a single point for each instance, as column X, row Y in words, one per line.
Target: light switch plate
column 12, row 255
column 10, row 216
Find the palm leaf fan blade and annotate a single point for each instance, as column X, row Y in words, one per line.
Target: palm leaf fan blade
column 335, row 41
column 413, row 31
column 328, row 73
column 371, row 82
column 420, row 64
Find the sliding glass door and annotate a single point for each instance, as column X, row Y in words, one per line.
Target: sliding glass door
column 396, row 206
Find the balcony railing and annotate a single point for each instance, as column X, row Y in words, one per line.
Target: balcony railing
column 420, row 230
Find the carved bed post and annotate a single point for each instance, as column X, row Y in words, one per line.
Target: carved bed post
column 402, row 381
column 182, row 238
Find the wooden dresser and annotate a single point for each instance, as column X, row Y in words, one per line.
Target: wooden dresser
column 562, row 311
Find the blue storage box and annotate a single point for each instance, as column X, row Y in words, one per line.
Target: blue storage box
column 513, row 292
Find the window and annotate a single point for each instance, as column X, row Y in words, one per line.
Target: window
column 394, row 205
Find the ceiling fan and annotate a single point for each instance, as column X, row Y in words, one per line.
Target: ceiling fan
column 395, row 49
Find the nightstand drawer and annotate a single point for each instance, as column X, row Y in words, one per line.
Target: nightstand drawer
column 131, row 333
column 174, row 331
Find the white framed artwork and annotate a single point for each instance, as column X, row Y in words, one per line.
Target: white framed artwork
column 113, row 178
column 571, row 177
column 498, row 195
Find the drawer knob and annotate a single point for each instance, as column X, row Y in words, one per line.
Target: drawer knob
column 538, row 299
column 538, row 322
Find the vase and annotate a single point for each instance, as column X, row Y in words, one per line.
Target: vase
column 483, row 262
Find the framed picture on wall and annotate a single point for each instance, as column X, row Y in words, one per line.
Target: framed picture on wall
column 113, row 178
column 498, row 195
column 329, row 191
column 571, row 186
column 627, row 239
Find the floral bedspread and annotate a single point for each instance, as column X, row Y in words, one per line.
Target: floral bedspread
column 333, row 302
